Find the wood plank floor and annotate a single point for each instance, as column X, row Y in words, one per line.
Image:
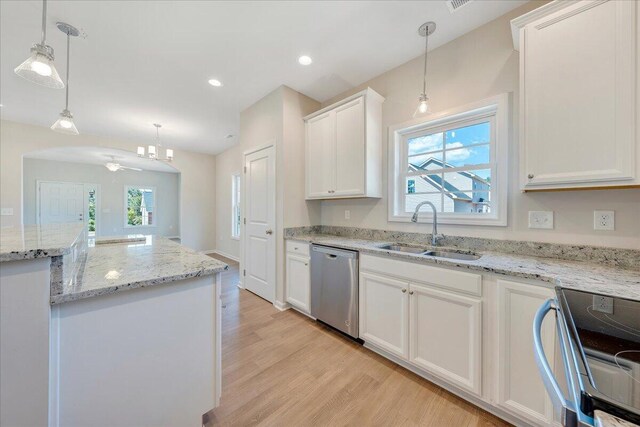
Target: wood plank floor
column 283, row 369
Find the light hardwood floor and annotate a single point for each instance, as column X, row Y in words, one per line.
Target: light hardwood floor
column 283, row 369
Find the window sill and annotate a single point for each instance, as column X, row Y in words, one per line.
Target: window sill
column 427, row 219
column 140, row 226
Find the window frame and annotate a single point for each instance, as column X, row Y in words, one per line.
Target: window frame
column 126, row 205
column 236, row 203
column 496, row 110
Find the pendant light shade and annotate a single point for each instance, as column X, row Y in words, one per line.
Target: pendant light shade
column 39, row 67
column 425, row 31
column 65, row 124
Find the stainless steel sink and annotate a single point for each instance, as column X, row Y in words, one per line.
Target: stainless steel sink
column 405, row 248
column 453, row 255
column 397, row 247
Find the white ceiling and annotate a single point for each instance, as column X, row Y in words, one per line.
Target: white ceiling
column 101, row 156
column 149, row 61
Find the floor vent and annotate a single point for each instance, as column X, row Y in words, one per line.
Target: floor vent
column 455, row 5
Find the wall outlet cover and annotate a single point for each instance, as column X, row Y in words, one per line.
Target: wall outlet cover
column 603, row 304
column 541, row 219
column 604, row 220
column 6, row 211
column 347, row 214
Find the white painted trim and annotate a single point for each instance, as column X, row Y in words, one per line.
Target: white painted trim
column 240, row 285
column 85, row 201
column 226, row 255
column 517, row 24
column 172, row 237
column 367, row 92
column 498, row 107
column 208, row 251
column 282, row 306
column 271, row 143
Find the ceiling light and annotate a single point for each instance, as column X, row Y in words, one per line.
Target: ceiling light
column 305, row 60
column 113, row 167
column 215, row 83
column 39, row 68
column 65, row 124
column 425, row 31
column 153, row 151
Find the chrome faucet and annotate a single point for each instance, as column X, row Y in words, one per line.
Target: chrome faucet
column 434, row 232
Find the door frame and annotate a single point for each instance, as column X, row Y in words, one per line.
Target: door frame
column 86, row 186
column 243, row 196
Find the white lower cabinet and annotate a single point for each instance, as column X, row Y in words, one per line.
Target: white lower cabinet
column 298, row 282
column 519, row 387
column 384, row 313
column 445, row 335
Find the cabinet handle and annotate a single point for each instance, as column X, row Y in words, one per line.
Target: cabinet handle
column 410, row 292
column 269, row 232
column 404, row 290
column 331, row 191
column 530, row 176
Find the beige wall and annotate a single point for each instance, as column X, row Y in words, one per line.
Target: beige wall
column 111, row 205
column 475, row 66
column 197, row 178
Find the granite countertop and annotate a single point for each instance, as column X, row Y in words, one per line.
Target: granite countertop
column 121, row 266
column 602, row 419
column 38, row 241
column 586, row 276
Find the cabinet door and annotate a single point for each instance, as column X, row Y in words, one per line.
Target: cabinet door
column 298, row 282
column 578, row 79
column 320, row 156
column 520, row 388
column 384, row 313
column 350, row 149
column 454, row 351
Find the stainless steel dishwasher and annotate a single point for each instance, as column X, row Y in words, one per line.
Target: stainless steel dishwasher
column 334, row 288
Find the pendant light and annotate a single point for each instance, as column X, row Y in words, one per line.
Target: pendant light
column 39, row 68
column 65, row 124
column 425, row 31
column 153, row 151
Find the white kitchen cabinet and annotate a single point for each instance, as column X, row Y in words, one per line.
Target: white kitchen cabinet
column 298, row 282
column 579, row 94
column 344, row 148
column 445, row 335
column 519, row 387
column 384, row 313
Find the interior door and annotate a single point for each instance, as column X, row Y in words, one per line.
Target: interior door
column 60, row 202
column 350, row 149
column 260, row 219
column 320, row 160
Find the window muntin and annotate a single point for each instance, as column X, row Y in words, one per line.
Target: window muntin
column 140, row 206
column 235, row 206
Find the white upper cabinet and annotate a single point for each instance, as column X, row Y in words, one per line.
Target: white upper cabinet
column 344, row 148
column 579, row 95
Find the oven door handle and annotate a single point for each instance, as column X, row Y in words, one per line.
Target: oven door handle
column 569, row 417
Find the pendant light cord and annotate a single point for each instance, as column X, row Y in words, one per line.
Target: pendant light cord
column 66, row 105
column 426, row 49
column 44, row 21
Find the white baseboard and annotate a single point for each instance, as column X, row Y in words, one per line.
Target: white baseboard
column 282, row 306
column 240, row 285
column 224, row 254
column 208, row 251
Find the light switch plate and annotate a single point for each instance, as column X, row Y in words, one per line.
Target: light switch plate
column 347, row 214
column 604, row 220
column 541, row 219
column 6, row 211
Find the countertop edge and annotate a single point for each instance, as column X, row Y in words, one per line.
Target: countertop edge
column 36, row 253
column 71, row 296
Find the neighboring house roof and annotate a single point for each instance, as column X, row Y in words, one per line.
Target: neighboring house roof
column 436, row 179
column 147, row 200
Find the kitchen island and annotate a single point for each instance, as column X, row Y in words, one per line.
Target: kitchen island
column 117, row 332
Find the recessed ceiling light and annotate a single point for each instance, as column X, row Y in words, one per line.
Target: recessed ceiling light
column 305, row 60
column 215, row 83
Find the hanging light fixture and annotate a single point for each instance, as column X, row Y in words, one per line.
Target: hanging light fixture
column 153, row 151
column 65, row 124
column 39, row 68
column 425, row 31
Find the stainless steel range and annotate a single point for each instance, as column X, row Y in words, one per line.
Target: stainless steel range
column 600, row 346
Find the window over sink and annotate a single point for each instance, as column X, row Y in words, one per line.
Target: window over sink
column 456, row 160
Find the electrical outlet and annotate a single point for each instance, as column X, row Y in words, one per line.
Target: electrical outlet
column 604, row 220
column 541, row 219
column 603, row 304
column 347, row 214
column 6, row 211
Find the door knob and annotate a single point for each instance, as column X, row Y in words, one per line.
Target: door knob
column 269, row 231
column 530, row 176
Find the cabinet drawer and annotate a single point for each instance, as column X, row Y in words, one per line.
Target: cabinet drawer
column 459, row 281
column 300, row 248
